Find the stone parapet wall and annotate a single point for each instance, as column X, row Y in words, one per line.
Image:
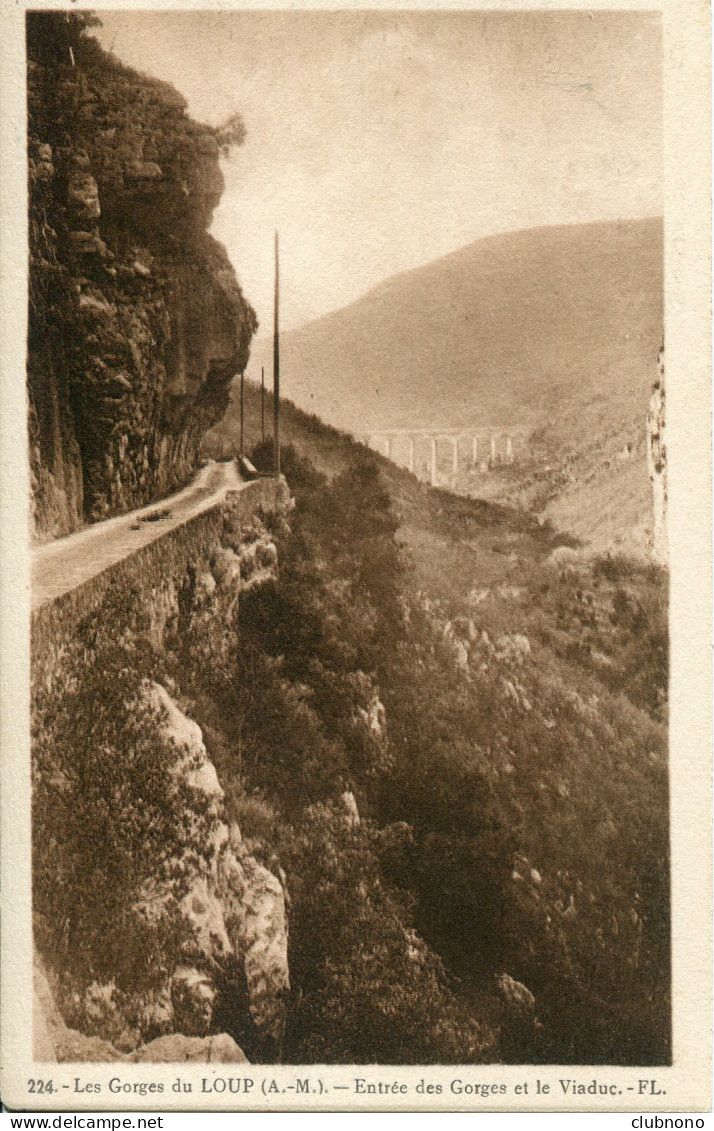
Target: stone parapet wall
column 144, row 574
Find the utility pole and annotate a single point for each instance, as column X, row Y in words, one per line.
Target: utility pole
column 242, row 410
column 262, row 403
column 276, row 365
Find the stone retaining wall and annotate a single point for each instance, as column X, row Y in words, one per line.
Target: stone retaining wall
column 142, row 573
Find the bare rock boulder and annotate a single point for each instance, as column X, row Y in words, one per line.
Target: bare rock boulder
column 255, row 900
column 198, row 771
column 193, row 996
column 226, row 568
column 83, row 195
column 177, row 1047
column 53, row 1040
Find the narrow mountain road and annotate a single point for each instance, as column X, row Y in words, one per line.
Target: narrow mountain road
column 68, row 562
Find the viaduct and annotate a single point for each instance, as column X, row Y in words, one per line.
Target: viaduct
column 421, row 450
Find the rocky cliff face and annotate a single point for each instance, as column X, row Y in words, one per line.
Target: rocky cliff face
column 137, row 323
column 657, row 465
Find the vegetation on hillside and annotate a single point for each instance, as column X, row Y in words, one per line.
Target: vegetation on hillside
column 447, row 731
column 111, row 819
column 513, row 799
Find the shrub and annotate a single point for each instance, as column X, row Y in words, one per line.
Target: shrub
column 366, row 988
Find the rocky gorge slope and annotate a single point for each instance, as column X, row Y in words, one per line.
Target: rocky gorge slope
column 137, row 323
column 423, row 819
column 233, row 910
column 165, row 919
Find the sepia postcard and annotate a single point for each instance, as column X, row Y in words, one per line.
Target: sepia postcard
column 356, row 558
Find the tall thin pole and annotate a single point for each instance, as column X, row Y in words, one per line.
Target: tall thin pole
column 242, row 413
column 276, row 365
column 262, row 403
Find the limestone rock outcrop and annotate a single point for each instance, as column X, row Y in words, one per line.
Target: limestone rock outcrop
column 54, row 1041
column 254, row 899
column 137, row 324
column 517, row 996
column 234, row 907
column 233, row 910
column 241, row 558
column 657, row 464
column 218, row 1049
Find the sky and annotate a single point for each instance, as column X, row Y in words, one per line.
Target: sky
column 378, row 141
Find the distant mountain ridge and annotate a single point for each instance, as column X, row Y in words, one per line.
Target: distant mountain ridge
column 511, row 329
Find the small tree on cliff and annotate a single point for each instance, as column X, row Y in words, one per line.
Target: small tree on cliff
column 230, row 134
column 55, row 37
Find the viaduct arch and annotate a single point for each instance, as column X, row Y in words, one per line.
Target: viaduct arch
column 421, row 450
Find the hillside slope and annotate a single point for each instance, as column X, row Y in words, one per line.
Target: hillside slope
column 397, row 794
column 450, row 537
column 557, row 329
column 551, row 664
column 511, row 329
column 457, row 542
